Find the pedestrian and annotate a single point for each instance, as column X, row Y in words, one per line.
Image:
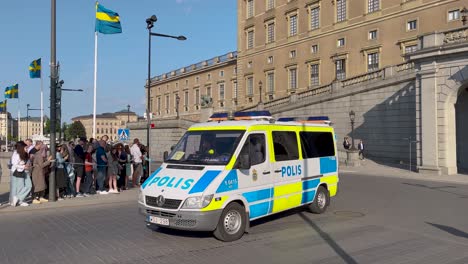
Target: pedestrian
column 112, row 170
column 346, row 143
column 137, row 162
column 79, row 165
column 38, row 176
column 122, row 155
column 361, row 149
column 29, row 145
column 60, row 175
column 101, row 161
column 67, row 153
column 88, row 169
column 21, row 185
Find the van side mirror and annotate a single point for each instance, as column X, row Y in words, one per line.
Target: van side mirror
column 165, row 155
column 243, row 162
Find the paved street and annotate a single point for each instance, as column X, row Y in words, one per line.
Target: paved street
column 373, row 220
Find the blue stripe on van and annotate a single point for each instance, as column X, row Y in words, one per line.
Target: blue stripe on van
column 230, row 183
column 310, row 184
column 258, row 195
column 328, row 165
column 308, row 197
column 204, row 181
column 260, row 209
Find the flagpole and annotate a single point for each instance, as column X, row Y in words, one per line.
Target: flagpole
column 6, row 124
column 19, row 119
column 42, row 108
column 95, row 82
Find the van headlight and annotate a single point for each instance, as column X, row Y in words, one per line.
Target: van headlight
column 197, row 202
column 141, row 197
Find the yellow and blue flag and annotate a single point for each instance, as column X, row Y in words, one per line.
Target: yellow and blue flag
column 35, row 69
column 3, row 105
column 107, row 21
column 11, row 92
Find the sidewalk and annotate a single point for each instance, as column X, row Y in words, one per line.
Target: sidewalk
column 97, row 199
column 371, row 168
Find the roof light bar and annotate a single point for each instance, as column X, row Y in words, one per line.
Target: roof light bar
column 249, row 115
column 310, row 119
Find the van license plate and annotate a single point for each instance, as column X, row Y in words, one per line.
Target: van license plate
column 158, row 220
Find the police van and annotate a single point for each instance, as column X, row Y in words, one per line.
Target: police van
column 224, row 173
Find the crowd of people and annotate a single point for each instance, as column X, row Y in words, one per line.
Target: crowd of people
column 82, row 168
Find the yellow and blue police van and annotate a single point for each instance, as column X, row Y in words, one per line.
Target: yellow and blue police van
column 239, row 167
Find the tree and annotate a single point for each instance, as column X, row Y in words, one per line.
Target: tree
column 47, row 127
column 75, row 130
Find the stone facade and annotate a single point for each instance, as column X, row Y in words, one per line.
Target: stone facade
column 107, row 123
column 30, row 127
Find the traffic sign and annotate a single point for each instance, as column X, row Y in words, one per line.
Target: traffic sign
column 124, row 133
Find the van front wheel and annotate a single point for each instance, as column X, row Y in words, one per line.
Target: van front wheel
column 321, row 201
column 231, row 224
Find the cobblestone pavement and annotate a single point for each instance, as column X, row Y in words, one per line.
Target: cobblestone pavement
column 373, row 220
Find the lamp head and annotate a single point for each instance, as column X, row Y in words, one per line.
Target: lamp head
column 150, row 21
column 181, row 38
column 352, row 115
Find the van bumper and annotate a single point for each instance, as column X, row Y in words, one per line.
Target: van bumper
column 183, row 220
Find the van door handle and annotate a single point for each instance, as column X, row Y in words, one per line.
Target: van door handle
column 277, row 171
column 266, row 172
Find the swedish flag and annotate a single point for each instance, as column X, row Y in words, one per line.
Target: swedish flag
column 11, row 92
column 35, row 69
column 3, row 105
column 107, row 21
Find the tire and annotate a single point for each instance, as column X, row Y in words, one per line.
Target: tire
column 321, row 201
column 231, row 224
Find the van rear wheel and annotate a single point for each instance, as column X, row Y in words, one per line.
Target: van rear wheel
column 231, row 224
column 321, row 201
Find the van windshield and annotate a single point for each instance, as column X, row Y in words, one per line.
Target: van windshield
column 213, row 147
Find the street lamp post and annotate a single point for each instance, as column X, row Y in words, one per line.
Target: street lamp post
column 149, row 25
column 177, row 105
column 352, row 117
column 128, row 113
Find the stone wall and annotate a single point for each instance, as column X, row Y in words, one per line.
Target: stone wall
column 165, row 134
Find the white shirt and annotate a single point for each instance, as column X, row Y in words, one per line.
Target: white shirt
column 136, row 153
column 17, row 163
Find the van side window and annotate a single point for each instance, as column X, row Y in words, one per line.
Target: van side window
column 255, row 147
column 317, row 144
column 285, row 145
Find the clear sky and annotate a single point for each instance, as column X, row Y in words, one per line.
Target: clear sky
column 209, row 25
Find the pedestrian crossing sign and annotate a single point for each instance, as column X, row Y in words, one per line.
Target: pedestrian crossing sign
column 124, row 134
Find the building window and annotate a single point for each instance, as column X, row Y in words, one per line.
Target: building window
column 340, row 42
column 270, row 4
column 454, row 15
column 234, row 90
column 373, row 34
column 314, row 49
column 249, row 64
column 270, row 59
column 221, row 91
column 314, row 18
column 411, row 48
column 293, row 25
column 186, row 97
column 197, row 96
column 197, row 79
column 292, row 79
column 177, row 85
column 175, row 101
column 186, row 82
column 372, row 61
column 221, row 73
column 250, row 39
column 412, row 25
column 208, row 76
column 159, row 105
column 340, row 68
column 250, row 86
column 340, row 10
column 271, row 32
column 373, row 5
column 314, row 75
column 250, row 8
column 208, row 91
column 167, row 103
column 271, row 82
column 292, row 54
